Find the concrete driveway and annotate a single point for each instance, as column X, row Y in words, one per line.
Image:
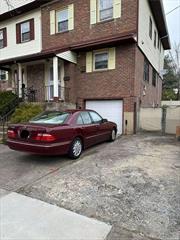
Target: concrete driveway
column 132, row 184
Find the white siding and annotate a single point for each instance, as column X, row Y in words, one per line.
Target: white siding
column 13, row 49
column 144, row 41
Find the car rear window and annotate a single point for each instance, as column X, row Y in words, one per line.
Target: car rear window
column 51, row 118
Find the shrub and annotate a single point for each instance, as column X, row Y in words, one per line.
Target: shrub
column 25, row 112
column 5, row 99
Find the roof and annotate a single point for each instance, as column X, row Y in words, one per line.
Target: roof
column 157, row 9
column 17, row 7
column 128, row 37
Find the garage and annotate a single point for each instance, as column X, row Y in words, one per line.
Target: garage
column 110, row 109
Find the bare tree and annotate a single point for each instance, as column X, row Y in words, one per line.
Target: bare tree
column 177, row 61
column 8, row 3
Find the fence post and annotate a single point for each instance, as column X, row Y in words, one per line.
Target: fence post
column 163, row 121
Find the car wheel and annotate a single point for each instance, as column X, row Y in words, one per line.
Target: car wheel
column 113, row 135
column 75, row 148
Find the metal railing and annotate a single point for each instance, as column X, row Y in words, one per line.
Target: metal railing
column 6, row 114
column 43, row 94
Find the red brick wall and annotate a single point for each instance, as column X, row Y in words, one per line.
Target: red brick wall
column 83, row 31
column 152, row 94
column 36, row 79
column 110, row 84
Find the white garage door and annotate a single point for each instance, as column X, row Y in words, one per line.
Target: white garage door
column 110, row 109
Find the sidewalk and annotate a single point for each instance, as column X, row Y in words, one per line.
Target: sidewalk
column 23, row 217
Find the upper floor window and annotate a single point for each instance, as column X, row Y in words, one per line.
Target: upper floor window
column 105, row 10
column 146, row 70
column 102, row 10
column 25, row 31
column 155, row 38
column 150, row 27
column 62, row 20
column 3, row 38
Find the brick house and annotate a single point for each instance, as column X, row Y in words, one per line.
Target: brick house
column 106, row 55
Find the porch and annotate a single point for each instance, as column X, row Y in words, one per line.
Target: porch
column 40, row 79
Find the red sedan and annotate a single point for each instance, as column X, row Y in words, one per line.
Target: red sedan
column 56, row 133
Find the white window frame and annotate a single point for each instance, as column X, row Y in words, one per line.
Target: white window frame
column 105, row 51
column 21, row 31
column 58, row 11
column 99, row 15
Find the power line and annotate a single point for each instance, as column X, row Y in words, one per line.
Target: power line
column 173, row 10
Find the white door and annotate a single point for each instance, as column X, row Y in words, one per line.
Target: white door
column 110, row 109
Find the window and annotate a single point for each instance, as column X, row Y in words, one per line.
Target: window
column 100, row 60
column 86, row 118
column 154, row 75
column 150, row 28
column 155, row 38
column 3, row 38
column 25, row 31
column 79, row 120
column 158, row 42
column 146, row 70
column 62, row 20
column 51, row 118
column 95, row 117
column 105, row 10
column 3, row 75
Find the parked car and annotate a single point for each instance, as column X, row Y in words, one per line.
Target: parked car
column 57, row 133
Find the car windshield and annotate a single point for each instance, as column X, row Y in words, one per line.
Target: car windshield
column 51, row 118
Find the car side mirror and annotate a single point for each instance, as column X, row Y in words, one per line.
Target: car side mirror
column 104, row 120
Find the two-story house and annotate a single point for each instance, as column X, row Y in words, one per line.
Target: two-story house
column 106, row 55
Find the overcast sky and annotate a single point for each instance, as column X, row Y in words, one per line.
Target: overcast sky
column 173, row 19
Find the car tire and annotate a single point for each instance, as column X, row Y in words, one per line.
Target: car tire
column 75, row 148
column 113, row 135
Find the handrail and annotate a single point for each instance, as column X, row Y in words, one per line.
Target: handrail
column 4, row 118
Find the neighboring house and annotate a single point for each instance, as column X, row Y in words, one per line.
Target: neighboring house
column 4, row 83
column 106, row 55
